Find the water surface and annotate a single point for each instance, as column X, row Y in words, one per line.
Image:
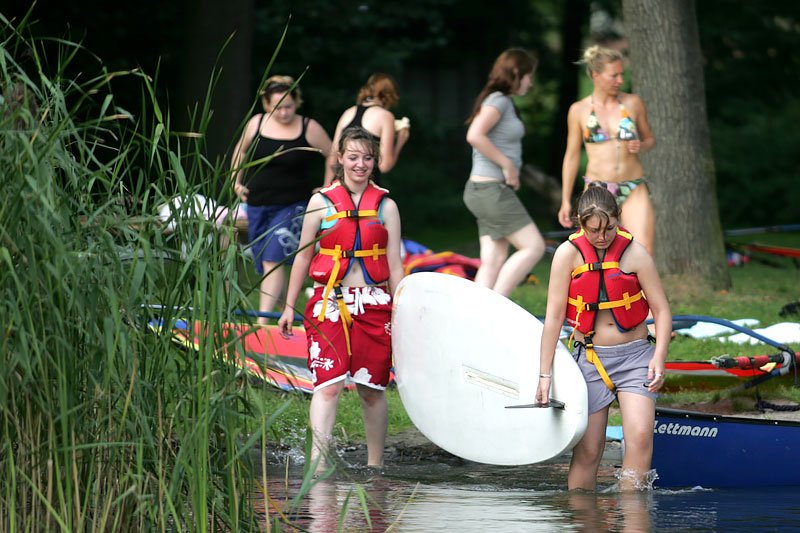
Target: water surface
column 465, row 497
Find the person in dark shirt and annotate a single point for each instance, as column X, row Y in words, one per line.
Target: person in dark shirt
column 372, row 112
column 283, row 149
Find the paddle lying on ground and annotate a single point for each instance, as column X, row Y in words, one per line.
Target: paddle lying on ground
column 760, row 367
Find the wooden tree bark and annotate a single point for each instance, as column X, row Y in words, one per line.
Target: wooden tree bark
column 668, row 75
column 574, row 16
column 210, row 24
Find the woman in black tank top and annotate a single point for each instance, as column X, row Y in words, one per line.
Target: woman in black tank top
column 371, row 112
column 277, row 190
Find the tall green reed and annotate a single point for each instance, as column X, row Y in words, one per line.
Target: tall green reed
column 105, row 425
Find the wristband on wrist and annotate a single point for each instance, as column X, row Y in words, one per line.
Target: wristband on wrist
column 545, row 375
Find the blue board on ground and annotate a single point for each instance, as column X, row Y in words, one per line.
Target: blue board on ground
column 462, row 355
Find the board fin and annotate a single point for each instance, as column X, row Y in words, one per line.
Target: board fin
column 555, row 404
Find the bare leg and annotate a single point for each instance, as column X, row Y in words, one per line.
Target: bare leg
column 639, row 218
column 530, row 248
column 587, row 454
column 322, row 416
column 493, row 255
column 375, row 408
column 638, row 414
column 272, row 287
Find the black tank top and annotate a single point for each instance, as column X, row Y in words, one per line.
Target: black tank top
column 285, row 179
column 357, row 121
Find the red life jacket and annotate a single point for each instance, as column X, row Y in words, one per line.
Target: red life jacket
column 602, row 285
column 357, row 233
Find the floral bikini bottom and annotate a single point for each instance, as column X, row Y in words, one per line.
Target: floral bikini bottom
column 620, row 189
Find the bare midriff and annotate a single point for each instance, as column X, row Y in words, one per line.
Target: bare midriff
column 484, row 179
column 611, row 161
column 608, row 334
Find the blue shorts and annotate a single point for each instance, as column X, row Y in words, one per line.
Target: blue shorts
column 274, row 232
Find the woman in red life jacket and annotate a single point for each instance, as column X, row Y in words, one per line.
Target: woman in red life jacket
column 604, row 283
column 350, row 247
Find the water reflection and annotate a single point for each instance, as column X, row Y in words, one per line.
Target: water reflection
column 417, row 497
column 346, row 501
column 480, row 508
column 626, row 512
column 353, row 506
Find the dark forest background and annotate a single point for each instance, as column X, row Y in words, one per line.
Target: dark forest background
column 440, row 52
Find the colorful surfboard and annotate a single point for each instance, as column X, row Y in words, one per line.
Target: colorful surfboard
column 261, row 351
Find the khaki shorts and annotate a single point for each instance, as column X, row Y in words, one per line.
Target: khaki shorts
column 626, row 365
column 496, row 207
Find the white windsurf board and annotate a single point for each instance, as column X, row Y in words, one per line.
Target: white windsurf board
column 462, row 355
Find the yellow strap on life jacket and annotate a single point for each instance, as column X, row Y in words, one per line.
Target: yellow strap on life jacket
column 592, row 357
column 579, row 307
column 337, row 254
column 626, row 301
column 375, row 252
column 588, row 267
column 349, row 213
column 344, row 316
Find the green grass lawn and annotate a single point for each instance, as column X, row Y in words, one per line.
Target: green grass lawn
column 759, row 291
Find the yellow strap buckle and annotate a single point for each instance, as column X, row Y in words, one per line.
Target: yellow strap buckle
column 344, row 316
column 592, row 357
column 593, row 267
column 626, row 301
column 349, row 213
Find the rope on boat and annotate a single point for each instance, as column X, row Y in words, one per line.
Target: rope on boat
column 763, row 405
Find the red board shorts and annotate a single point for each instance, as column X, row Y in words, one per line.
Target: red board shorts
column 370, row 338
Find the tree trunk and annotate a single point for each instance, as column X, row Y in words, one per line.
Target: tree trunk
column 210, row 24
column 575, row 16
column 668, row 75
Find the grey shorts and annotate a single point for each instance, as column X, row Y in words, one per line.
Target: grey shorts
column 626, row 365
column 496, row 207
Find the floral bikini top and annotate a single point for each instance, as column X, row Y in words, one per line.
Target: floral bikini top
column 594, row 132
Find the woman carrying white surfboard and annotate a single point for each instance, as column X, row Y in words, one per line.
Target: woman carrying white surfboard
column 495, row 133
column 355, row 271
column 603, row 283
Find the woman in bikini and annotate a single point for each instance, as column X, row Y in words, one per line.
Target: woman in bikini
column 613, row 127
